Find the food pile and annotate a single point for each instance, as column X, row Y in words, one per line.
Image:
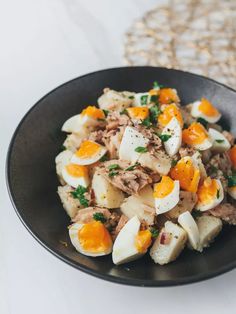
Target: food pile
column 141, row 173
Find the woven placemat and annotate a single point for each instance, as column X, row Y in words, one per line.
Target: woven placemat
column 193, row 35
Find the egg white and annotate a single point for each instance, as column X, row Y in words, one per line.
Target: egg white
column 173, row 144
column 88, row 161
column 204, row 145
column 130, row 141
column 168, row 202
column 124, row 249
column 215, row 201
column 62, row 160
column 196, row 113
column 137, row 99
column 218, row 147
column 81, row 124
column 74, row 181
column 74, row 237
column 198, row 164
column 187, row 222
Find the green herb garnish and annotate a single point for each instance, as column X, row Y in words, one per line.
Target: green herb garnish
column 173, row 162
column 157, row 85
column 131, row 97
column 113, row 173
column 141, row 149
column 196, row 213
column 99, row 217
column 106, row 112
column 185, row 126
column 213, row 169
column 143, row 100
column 113, row 167
column 164, row 137
column 218, row 193
column 63, row 147
column 99, row 119
column 154, row 99
column 219, row 141
column 146, row 122
column 231, row 180
column 154, row 232
column 130, row 168
column 79, row 194
column 103, row 158
column 124, row 111
column 154, row 112
column 203, row 122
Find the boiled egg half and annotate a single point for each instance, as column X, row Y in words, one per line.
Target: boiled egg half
column 197, row 136
column 88, row 153
column 166, row 194
column 91, row 239
column 204, row 109
column 220, row 143
column 210, row 194
column 169, row 112
column 174, row 131
column 131, row 243
column 75, row 175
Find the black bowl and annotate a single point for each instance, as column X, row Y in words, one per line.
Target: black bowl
column 32, row 181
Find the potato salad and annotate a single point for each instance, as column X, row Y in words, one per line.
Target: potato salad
column 141, row 174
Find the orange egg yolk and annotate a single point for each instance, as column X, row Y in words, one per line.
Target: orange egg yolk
column 232, row 155
column 93, row 112
column 76, row 170
column 207, row 108
column 94, row 237
column 138, row 112
column 194, row 134
column 163, row 188
column 143, row 240
column 207, row 192
column 167, row 96
column 187, row 175
column 168, row 113
column 88, row 149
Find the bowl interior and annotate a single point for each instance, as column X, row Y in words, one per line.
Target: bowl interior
column 33, row 183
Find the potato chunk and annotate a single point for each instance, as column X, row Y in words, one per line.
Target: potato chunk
column 209, row 227
column 164, row 253
column 106, row 194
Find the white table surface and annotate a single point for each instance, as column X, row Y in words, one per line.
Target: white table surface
column 43, row 44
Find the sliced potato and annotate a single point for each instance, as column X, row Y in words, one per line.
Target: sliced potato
column 61, row 161
column 160, row 163
column 146, row 196
column 113, row 100
column 209, row 227
column 186, row 203
column 106, row 194
column 132, row 206
column 166, row 253
column 70, row 204
column 73, row 141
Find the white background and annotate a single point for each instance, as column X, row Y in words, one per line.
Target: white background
column 43, row 44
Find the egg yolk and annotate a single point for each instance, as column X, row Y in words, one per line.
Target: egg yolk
column 93, row 112
column 194, row 134
column 143, row 240
column 168, row 113
column 94, row 237
column 163, row 188
column 88, row 149
column 187, row 175
column 208, row 191
column 167, row 95
column 76, row 170
column 232, row 155
column 138, row 112
column 207, row 108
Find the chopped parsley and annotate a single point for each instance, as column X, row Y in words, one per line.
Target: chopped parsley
column 79, row 194
column 106, row 112
column 154, row 99
column 99, row 217
column 143, row 100
column 154, row 113
column 63, row 147
column 196, row 213
column 164, row 137
column 157, row 85
column 113, row 173
column 124, row 111
column 141, row 149
column 219, row 141
column 103, row 158
column 146, row 122
column 113, row 167
column 99, row 119
column 130, row 168
column 185, row 126
column 203, row 122
column 218, row 193
column 213, row 169
column 173, row 162
column 154, row 232
column 131, row 97
column 231, row 181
